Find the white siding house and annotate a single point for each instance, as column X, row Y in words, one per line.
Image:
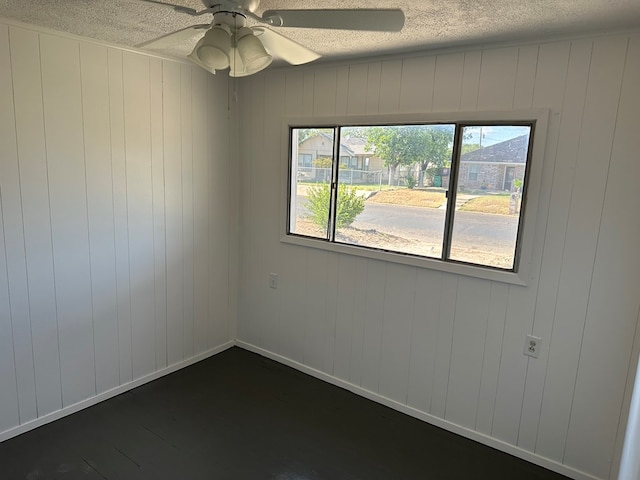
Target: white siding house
column 357, row 161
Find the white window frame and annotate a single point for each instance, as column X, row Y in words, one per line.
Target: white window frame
column 527, row 221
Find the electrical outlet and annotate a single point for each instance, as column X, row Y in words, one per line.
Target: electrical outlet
column 273, row 280
column 532, row 346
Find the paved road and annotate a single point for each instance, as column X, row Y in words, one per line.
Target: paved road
column 428, row 223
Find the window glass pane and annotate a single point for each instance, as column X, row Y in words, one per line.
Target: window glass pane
column 473, row 173
column 397, row 202
column 312, row 149
column 489, row 194
column 304, row 162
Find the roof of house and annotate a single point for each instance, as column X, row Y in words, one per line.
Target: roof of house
column 509, row 151
column 349, row 145
column 356, row 145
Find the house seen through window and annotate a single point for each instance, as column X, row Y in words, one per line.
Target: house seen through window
column 452, row 192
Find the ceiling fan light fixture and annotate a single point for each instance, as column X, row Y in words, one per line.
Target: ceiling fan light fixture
column 252, row 53
column 212, row 51
column 236, row 68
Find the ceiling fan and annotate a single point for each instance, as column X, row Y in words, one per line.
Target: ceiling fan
column 245, row 43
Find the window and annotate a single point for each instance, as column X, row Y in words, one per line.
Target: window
column 472, row 174
column 304, row 160
column 451, row 196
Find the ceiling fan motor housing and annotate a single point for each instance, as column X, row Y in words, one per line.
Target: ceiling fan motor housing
column 233, row 20
column 247, row 5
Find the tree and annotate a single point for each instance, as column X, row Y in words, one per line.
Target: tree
column 396, row 145
column 306, row 133
column 469, row 147
column 435, row 151
column 426, row 145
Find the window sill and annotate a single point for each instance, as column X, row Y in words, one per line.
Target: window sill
column 421, row 262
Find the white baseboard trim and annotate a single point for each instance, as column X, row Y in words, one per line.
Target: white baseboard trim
column 433, row 420
column 50, row 417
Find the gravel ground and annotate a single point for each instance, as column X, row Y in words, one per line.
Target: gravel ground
column 491, row 255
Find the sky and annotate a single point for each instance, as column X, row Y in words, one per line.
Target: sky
column 494, row 134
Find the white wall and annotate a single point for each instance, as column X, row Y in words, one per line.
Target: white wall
column 118, row 243
column 116, row 220
column 448, row 348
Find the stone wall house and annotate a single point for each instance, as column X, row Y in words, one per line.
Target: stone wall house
column 494, row 168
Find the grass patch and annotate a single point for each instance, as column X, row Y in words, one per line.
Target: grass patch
column 496, row 204
column 414, row 198
column 357, row 186
column 372, row 188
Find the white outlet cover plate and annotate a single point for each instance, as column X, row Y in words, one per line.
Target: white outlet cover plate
column 537, row 344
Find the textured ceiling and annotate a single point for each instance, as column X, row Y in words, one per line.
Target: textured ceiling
column 429, row 23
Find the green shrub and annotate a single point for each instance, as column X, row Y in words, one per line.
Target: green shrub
column 349, row 205
column 322, row 162
column 411, row 181
column 517, row 184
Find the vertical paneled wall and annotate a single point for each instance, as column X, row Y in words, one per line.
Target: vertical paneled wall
column 450, row 346
column 114, row 226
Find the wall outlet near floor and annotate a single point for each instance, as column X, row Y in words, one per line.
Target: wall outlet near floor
column 532, row 346
column 273, row 280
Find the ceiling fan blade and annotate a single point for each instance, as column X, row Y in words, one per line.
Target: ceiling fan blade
column 285, row 48
column 376, row 20
column 179, row 8
column 174, row 38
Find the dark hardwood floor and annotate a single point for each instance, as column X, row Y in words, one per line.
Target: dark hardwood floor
column 240, row 416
